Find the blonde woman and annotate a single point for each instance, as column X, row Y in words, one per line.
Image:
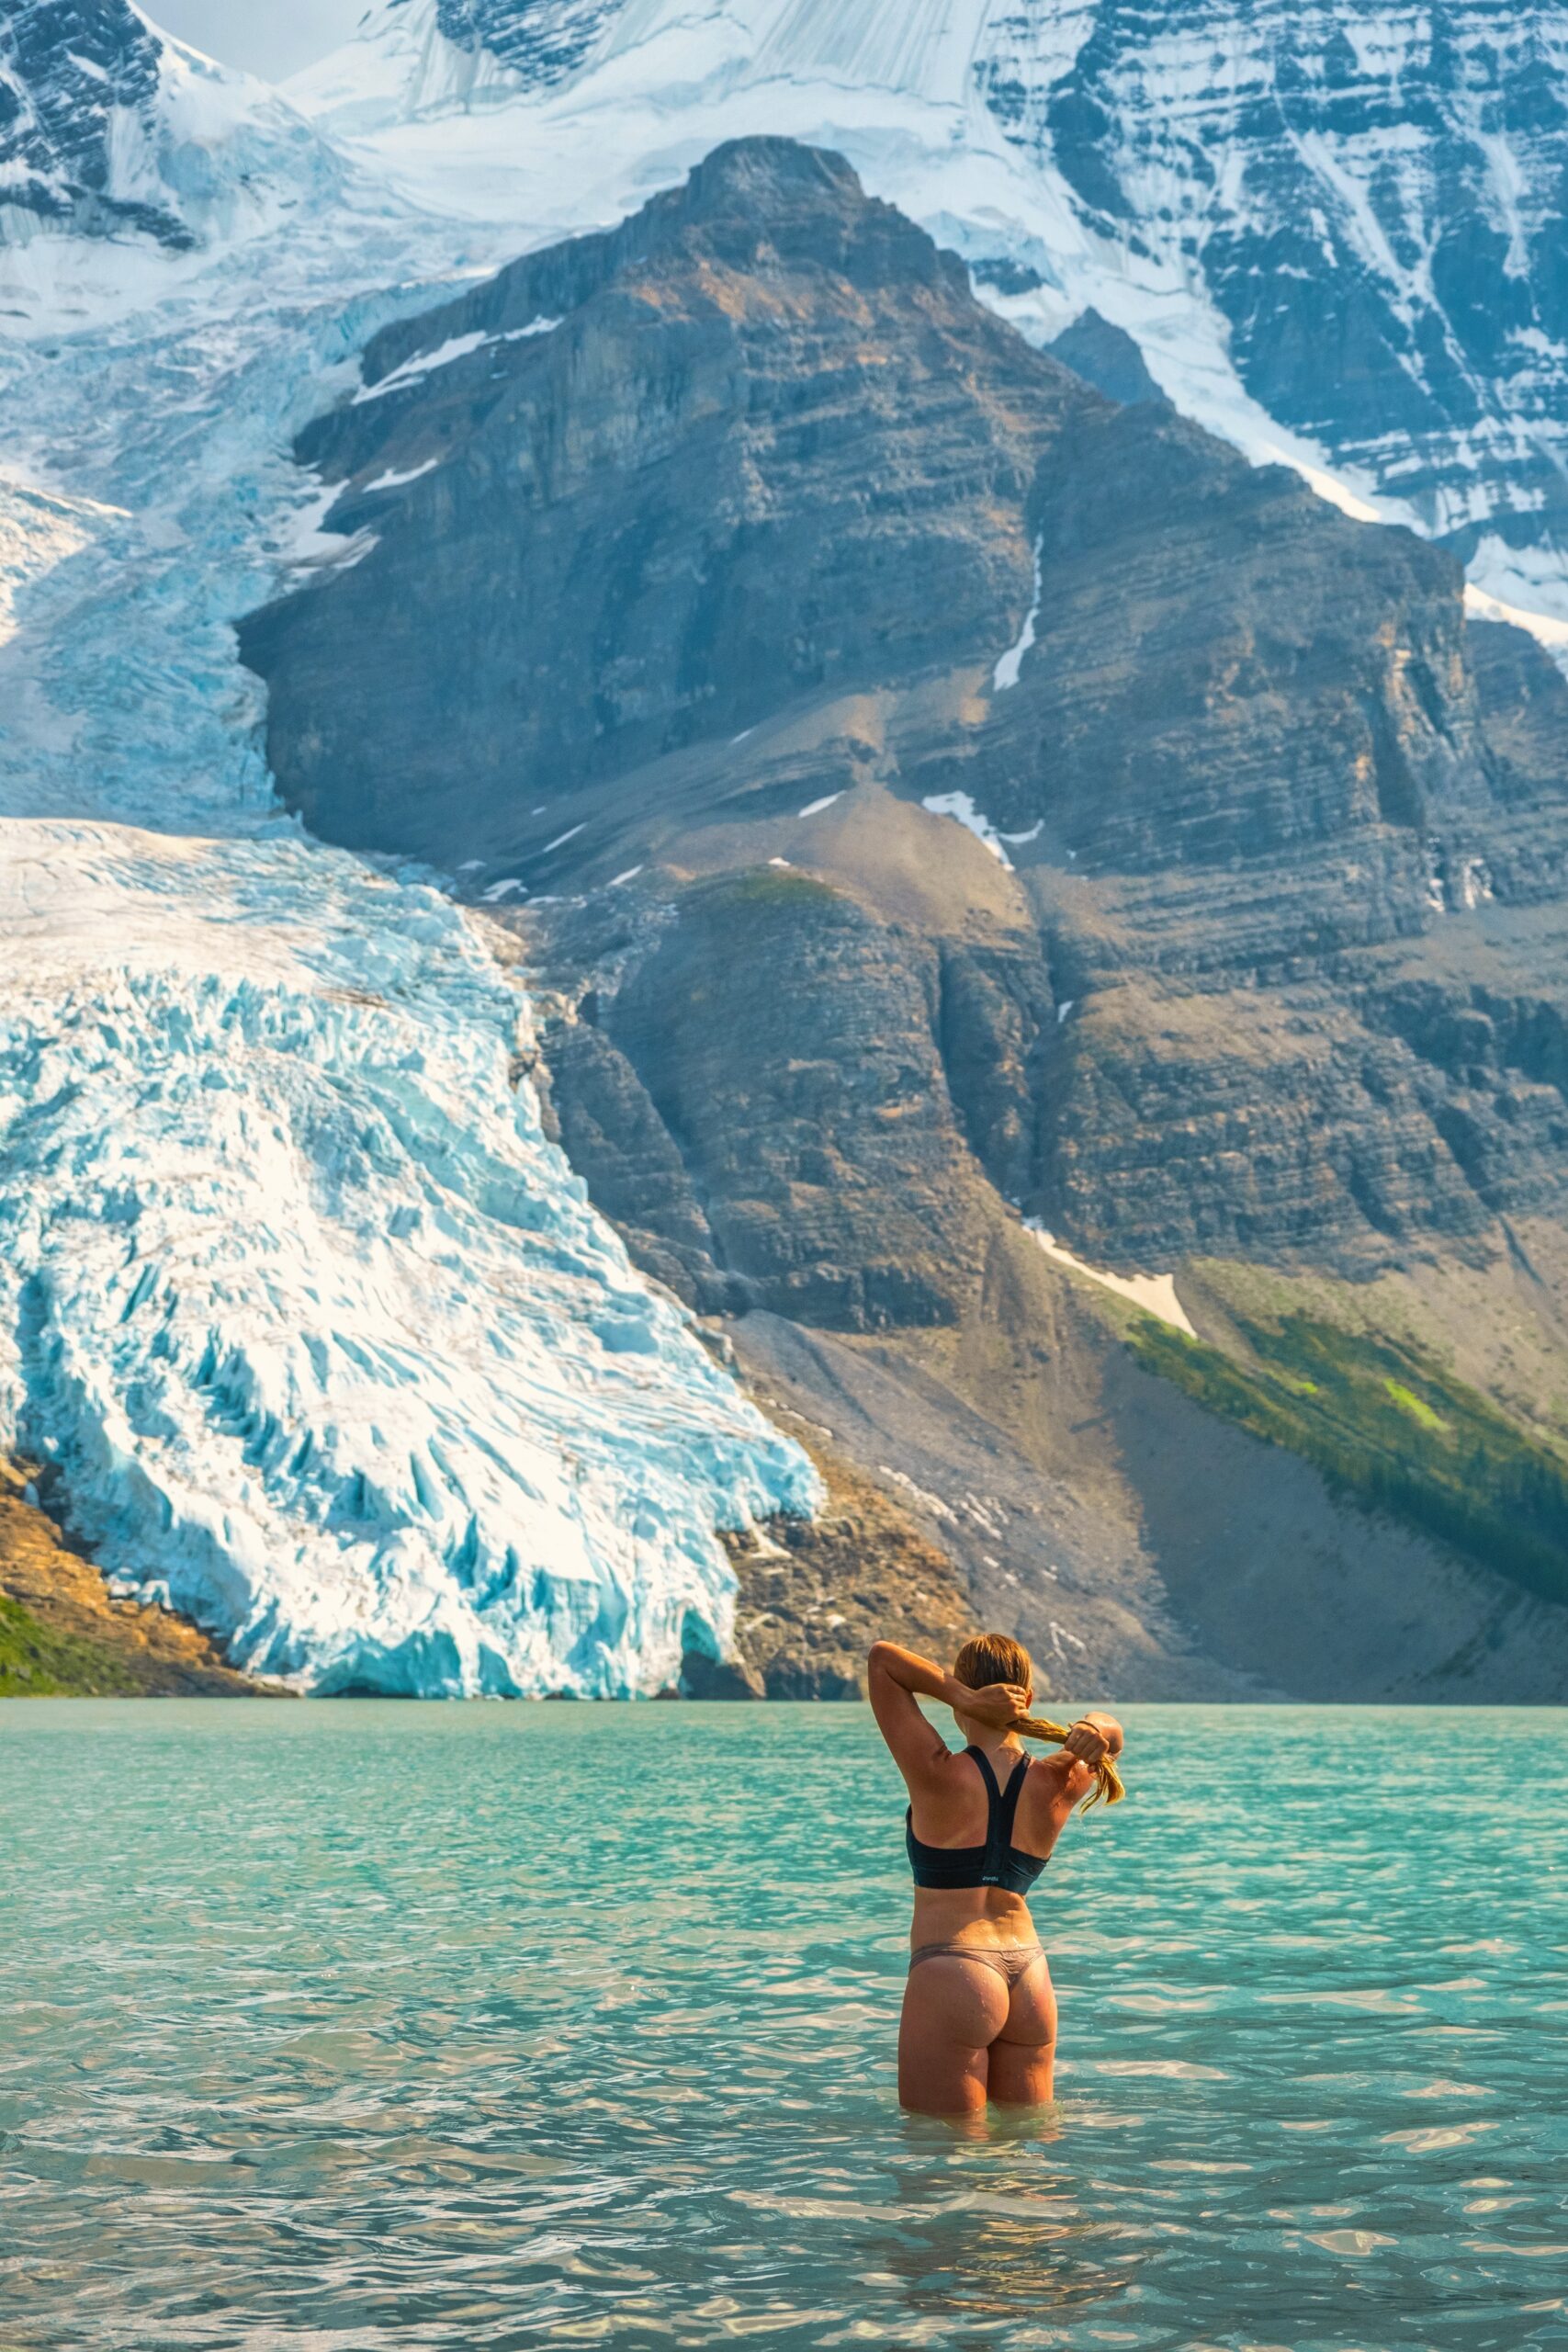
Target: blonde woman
column 979, row 2018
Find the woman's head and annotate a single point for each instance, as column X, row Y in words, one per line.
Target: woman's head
column 993, row 1657
column 997, row 1657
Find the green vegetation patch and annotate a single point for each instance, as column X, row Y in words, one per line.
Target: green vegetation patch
column 36, row 1663
column 1391, row 1427
column 1417, row 1407
column 765, row 885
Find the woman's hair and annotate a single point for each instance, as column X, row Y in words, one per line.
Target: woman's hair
column 997, row 1657
column 993, row 1657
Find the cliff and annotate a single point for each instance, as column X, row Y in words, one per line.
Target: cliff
column 935, row 796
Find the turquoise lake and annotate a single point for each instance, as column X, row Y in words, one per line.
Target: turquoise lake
column 359, row 2025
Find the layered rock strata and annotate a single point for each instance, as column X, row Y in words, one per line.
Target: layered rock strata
column 936, row 796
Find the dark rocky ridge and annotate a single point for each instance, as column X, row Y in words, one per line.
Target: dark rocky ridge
column 746, row 532
column 1103, row 354
column 773, row 447
column 1275, row 970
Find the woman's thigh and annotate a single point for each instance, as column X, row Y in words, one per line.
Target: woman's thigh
column 1023, row 2055
column 954, row 2010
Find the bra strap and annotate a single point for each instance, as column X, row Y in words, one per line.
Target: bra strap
column 1000, row 1810
column 993, row 1794
column 1011, row 1795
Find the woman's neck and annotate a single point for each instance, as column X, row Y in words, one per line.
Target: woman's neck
column 985, row 1736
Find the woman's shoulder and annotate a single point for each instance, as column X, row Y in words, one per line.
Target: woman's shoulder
column 1058, row 1780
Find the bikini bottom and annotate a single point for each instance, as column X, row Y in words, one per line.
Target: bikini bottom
column 1009, row 1961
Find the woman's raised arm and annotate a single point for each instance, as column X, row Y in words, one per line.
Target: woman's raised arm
column 895, row 1679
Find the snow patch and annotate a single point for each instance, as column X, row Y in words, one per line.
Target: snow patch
column 446, row 355
column 1005, row 672
column 961, row 809
column 815, row 808
column 1156, row 1293
column 394, row 480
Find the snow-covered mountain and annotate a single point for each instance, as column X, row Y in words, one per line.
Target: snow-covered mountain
column 311, row 1328
column 112, row 132
column 81, row 101
column 313, row 1323
column 1335, row 231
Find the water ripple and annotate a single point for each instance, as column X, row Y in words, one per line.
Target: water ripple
column 467, row 2030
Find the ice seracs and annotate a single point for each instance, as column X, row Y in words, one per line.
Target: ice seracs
column 316, row 1330
column 319, row 1331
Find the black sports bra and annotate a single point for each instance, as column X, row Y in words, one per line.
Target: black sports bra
column 999, row 1862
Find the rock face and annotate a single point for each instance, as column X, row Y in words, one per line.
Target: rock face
column 542, row 41
column 910, row 826
column 1104, row 356
column 61, row 1632
column 736, row 512
column 790, row 1142
column 815, row 1594
column 759, row 443
column 79, row 92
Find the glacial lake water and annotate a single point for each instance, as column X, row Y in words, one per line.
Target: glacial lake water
column 357, row 2025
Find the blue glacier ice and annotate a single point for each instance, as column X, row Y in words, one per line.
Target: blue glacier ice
column 315, row 1324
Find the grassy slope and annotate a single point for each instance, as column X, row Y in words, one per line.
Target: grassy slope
column 63, row 1635
column 1390, row 1424
column 37, row 1661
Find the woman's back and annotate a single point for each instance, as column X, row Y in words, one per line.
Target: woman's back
column 978, row 1831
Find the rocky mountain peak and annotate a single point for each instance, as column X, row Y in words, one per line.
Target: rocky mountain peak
column 865, row 674
column 1105, row 356
column 717, row 459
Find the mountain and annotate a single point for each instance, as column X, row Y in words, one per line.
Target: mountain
column 81, row 101
column 1042, row 933
column 917, row 842
column 120, row 146
column 541, row 45
column 410, row 59
column 1336, row 232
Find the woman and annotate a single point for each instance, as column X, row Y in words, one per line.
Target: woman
column 980, row 2010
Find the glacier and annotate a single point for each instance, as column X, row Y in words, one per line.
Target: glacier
column 310, row 1324
column 308, row 1316
column 322, row 1336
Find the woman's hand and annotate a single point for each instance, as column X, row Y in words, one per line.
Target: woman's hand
column 996, row 1703
column 1093, row 1737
